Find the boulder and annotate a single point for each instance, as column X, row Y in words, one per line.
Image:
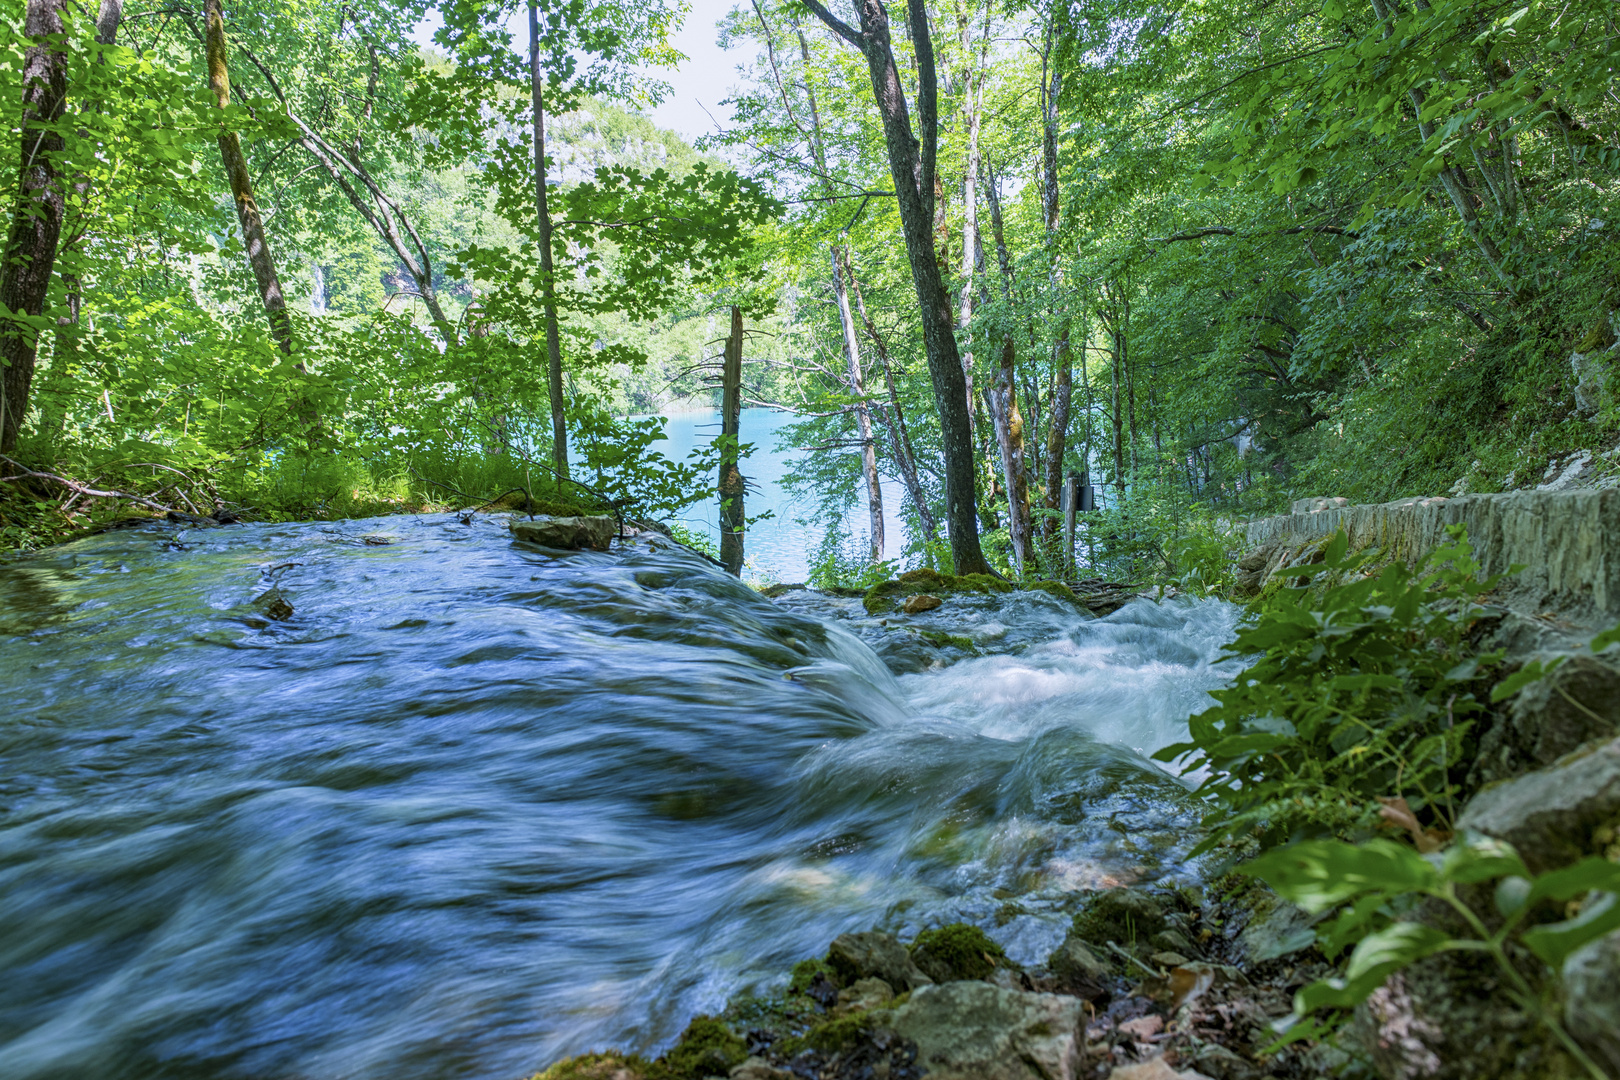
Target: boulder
column 874, row 954
column 864, row 996
column 975, row 1031
column 1552, row 814
column 918, row 604
column 565, row 533
column 1078, row 969
column 1280, row 930
column 757, row 1068
column 1123, row 916
column 1591, row 1007
column 1552, row 717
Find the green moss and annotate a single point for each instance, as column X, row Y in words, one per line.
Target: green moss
column 926, row 578
column 1054, row 588
column 983, row 583
column 832, row 1036
column 879, row 599
column 805, row 972
column 882, row 598
column 955, row 952
column 705, row 1048
column 941, row 640
column 1123, row 916
column 604, row 1066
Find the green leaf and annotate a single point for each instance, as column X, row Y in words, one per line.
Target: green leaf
column 1556, row 941
column 1376, row 958
column 1531, row 672
column 1481, row 858
column 1571, row 881
column 1321, row 874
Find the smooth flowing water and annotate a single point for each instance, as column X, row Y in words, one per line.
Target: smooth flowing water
column 470, row 807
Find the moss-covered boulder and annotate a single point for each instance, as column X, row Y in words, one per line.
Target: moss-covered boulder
column 708, row 1047
column 886, row 597
column 607, row 1066
column 1123, row 916
column 955, row 952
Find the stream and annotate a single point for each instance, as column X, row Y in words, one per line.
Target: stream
column 470, row 807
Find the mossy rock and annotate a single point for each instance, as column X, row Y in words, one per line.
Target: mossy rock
column 706, row 1048
column 883, row 598
column 1054, row 588
column 941, row 640
column 956, row 952
column 805, row 971
column 605, row 1066
column 833, row 1036
column 1123, row 916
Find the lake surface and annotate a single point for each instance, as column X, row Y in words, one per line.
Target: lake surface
column 467, row 807
column 778, row 548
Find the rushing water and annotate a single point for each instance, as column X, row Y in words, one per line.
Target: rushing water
column 471, row 807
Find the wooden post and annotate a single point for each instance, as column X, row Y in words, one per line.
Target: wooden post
column 731, row 480
column 1071, row 503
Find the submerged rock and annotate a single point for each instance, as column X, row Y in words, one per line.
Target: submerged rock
column 566, row 533
column 975, row 1031
column 925, row 602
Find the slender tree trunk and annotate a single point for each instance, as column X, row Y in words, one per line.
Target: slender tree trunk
column 241, row 181
column 1057, row 433
column 912, row 168
column 841, row 264
column 1004, row 412
column 554, row 383
column 1119, row 417
column 36, row 218
column 731, row 478
column 970, row 234
column 1010, row 436
column 863, row 412
column 905, row 457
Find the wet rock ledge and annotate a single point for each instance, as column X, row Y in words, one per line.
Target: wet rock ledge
column 1163, row 984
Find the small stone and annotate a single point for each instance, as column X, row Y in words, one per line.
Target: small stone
column 1078, row 968
column 865, row 995
column 566, row 533
column 1279, row 931
column 874, row 954
column 1154, row 1070
column 274, row 604
column 756, row 1068
column 917, row 604
column 1169, row 959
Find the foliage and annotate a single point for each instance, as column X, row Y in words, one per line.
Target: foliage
column 957, row 951
column 1375, row 886
column 1360, row 688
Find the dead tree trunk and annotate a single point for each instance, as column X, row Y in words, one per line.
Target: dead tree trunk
column 731, row 480
column 236, row 172
column 36, row 219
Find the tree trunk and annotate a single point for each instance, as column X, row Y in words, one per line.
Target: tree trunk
column 1119, row 419
column 1058, row 433
column 863, row 412
column 905, row 458
column 236, row 172
column 731, row 479
column 36, row 220
column 911, row 166
column 554, row 384
column 1010, row 437
column 841, row 265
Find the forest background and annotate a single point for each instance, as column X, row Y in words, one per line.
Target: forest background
column 284, row 260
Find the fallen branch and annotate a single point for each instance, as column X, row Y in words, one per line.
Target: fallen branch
column 78, row 488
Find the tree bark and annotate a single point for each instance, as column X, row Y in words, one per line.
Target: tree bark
column 1057, row 433
column 905, row 457
column 732, row 484
column 1004, row 401
column 36, row 220
column 852, row 346
column 241, row 181
column 912, row 168
column 554, row 385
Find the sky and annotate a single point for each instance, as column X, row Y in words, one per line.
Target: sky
column 698, row 86
column 706, row 77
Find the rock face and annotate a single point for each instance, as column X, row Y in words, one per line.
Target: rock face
column 1592, row 1008
column 566, row 533
column 1565, row 539
column 1552, row 815
column 875, row 955
column 975, row 1031
column 1552, row 717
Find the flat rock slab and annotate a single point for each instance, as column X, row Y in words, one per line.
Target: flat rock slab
column 1550, row 815
column 566, row 533
column 976, row 1031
